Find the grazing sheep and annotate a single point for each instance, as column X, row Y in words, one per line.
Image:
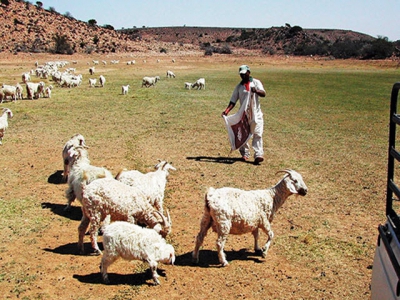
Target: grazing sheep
column 92, row 70
column 19, row 91
column 34, row 90
column 109, row 197
column 200, row 84
column 10, row 91
column 77, row 140
column 7, row 113
column 125, row 89
column 150, row 81
column 102, row 80
column 151, row 184
column 92, row 82
column 81, row 172
column 188, row 85
column 132, row 242
column 170, row 74
column 230, row 210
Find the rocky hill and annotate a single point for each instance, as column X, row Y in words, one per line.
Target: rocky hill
column 30, row 28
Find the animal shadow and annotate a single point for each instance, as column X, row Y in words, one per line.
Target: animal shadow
column 72, row 249
column 134, row 279
column 209, row 258
column 56, row 177
column 219, row 159
column 74, row 213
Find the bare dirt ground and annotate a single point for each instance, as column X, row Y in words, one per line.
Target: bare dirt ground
column 44, row 264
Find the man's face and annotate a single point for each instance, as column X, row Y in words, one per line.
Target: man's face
column 245, row 76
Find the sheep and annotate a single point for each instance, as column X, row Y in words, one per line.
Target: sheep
column 95, row 62
column 92, row 82
column 92, row 70
column 125, row 89
column 34, row 90
column 7, row 113
column 188, row 85
column 170, row 74
column 132, row 242
column 77, row 140
column 150, row 81
column 81, row 172
column 109, row 197
column 231, row 210
column 26, row 77
column 173, row 60
column 102, row 80
column 200, row 84
column 47, row 91
column 151, row 184
column 11, row 91
column 19, row 91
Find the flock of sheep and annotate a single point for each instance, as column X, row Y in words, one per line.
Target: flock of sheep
column 128, row 207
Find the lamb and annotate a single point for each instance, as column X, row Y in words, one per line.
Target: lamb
column 188, row 85
column 7, row 113
column 150, row 81
column 34, row 90
column 125, row 89
column 47, row 91
column 170, row 74
column 200, row 84
column 231, row 210
column 102, row 80
column 19, row 91
column 92, row 82
column 109, row 197
column 77, row 140
column 132, row 242
column 81, row 172
column 151, row 184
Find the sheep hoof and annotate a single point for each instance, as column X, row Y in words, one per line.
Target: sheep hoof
column 96, row 252
column 224, row 264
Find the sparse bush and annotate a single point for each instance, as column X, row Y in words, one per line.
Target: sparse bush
column 163, row 50
column 107, row 26
column 92, row 22
column 61, row 45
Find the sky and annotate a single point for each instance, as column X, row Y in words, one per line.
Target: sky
column 377, row 18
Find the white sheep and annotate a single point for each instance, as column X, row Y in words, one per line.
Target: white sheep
column 7, row 113
column 47, row 91
column 34, row 89
column 150, row 81
column 125, row 89
column 133, row 242
column 26, row 77
column 9, row 91
column 95, row 62
column 81, row 172
column 231, row 210
column 77, row 140
column 19, row 91
column 151, row 184
column 170, row 74
column 102, row 80
column 108, row 197
column 92, row 82
column 200, row 84
column 188, row 85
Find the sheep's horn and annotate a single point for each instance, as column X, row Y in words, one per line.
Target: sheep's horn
column 164, row 219
column 169, row 218
column 287, row 171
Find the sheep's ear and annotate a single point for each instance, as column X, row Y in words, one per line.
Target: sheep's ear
column 292, row 187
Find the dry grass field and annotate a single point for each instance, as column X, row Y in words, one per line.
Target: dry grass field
column 325, row 119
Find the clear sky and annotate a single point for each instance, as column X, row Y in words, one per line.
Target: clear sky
column 372, row 17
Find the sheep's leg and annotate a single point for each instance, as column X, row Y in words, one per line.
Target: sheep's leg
column 256, row 235
column 81, row 233
column 153, row 268
column 70, row 195
column 268, row 231
column 106, row 261
column 94, row 231
column 220, row 247
column 205, row 224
